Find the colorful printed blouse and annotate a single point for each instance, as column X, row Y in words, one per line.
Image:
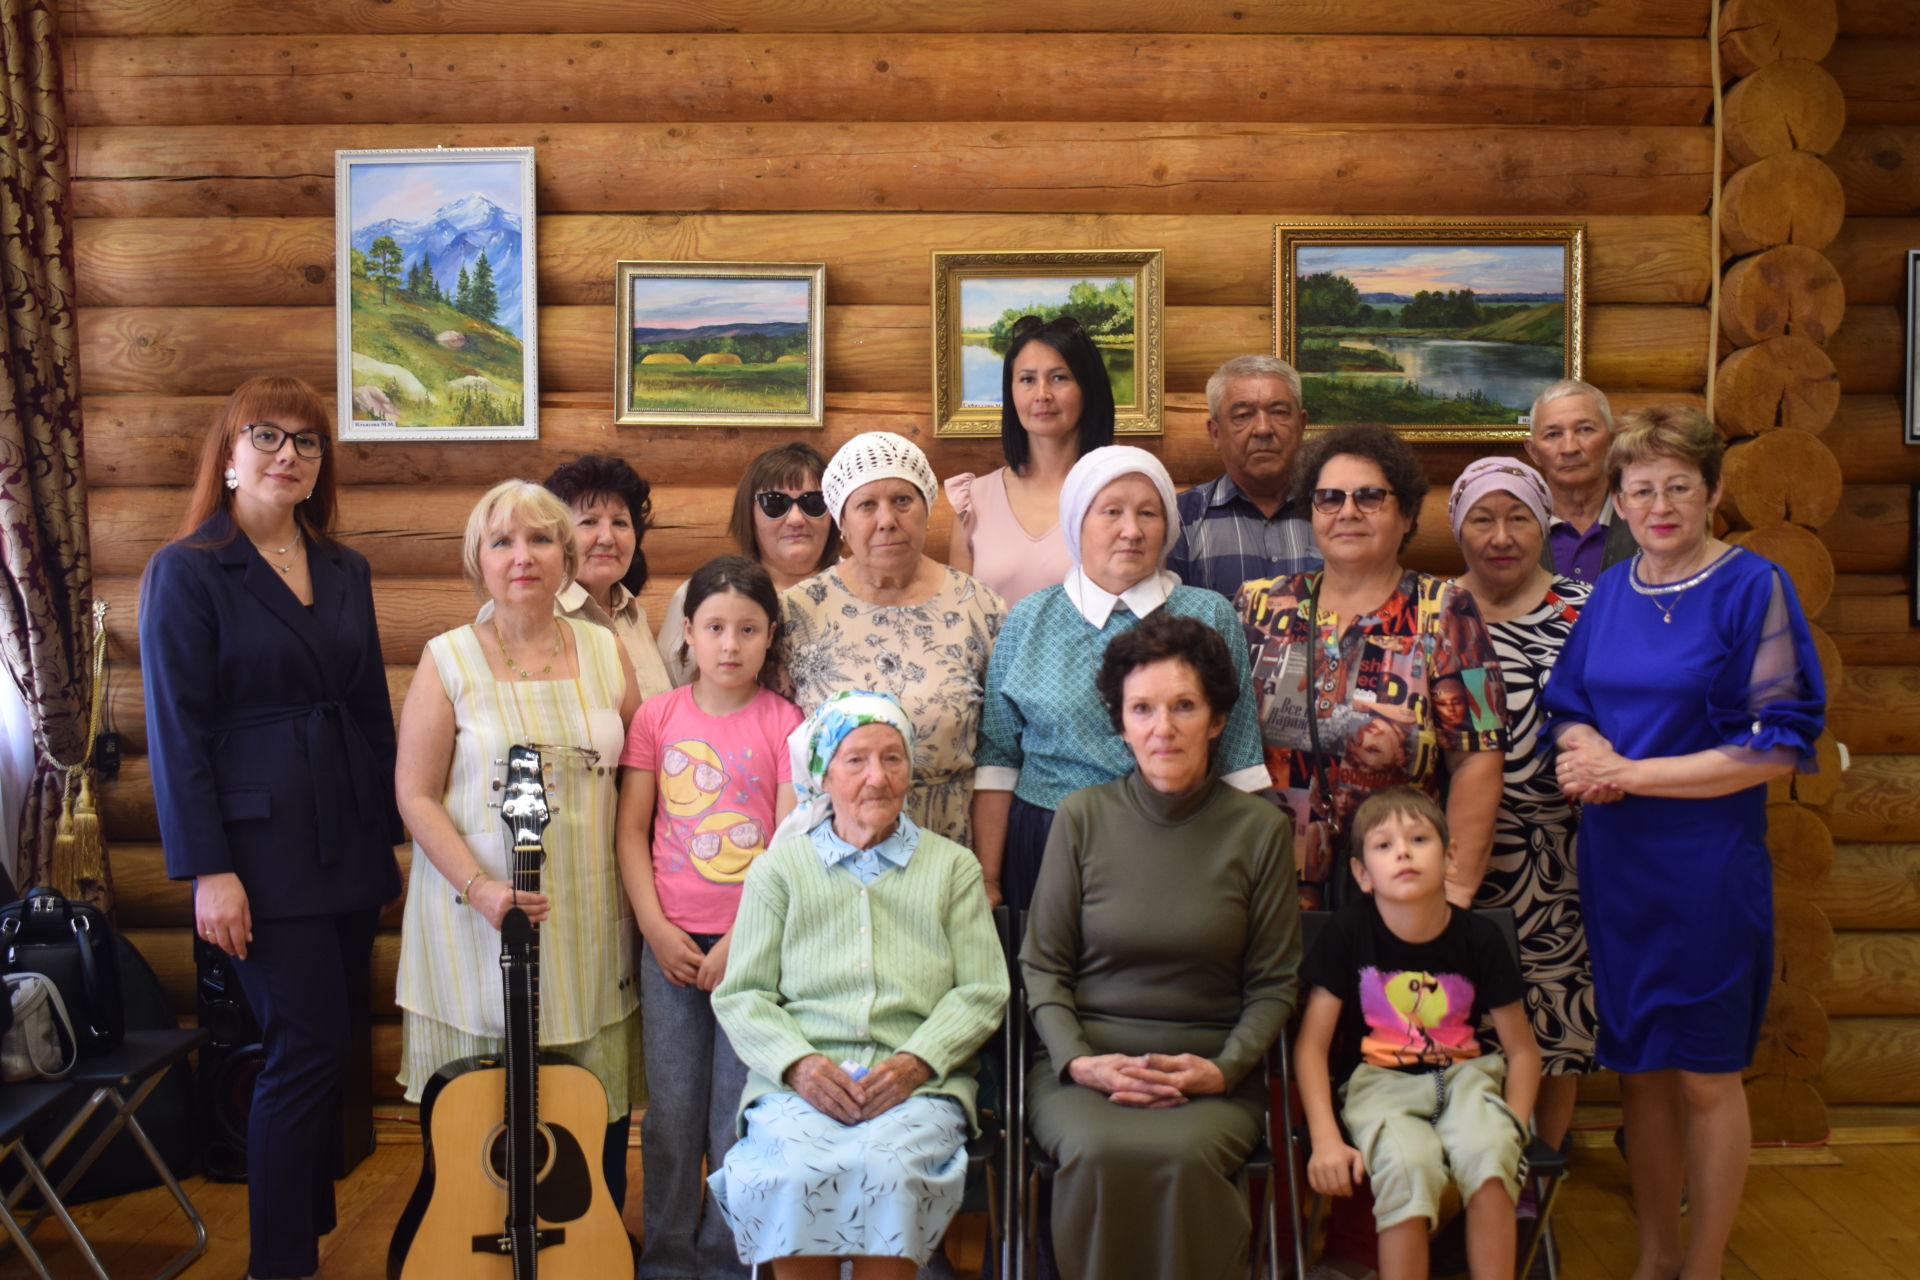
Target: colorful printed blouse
column 1397, row 690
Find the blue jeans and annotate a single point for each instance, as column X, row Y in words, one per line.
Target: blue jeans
column 694, row 1083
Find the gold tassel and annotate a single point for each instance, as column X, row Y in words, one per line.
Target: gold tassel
column 89, row 848
column 64, row 841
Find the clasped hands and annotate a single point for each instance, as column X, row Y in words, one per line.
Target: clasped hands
column 832, row 1092
column 1588, row 769
column 1149, row 1080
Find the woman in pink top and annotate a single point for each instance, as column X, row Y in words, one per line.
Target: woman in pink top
column 1056, row 406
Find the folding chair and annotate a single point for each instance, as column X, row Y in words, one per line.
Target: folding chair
column 22, row 1106
column 121, row 1078
column 1546, row 1166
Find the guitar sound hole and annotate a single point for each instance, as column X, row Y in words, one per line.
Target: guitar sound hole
column 496, row 1159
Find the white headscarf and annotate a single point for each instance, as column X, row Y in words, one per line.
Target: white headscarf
column 810, row 749
column 1100, row 468
column 875, row 455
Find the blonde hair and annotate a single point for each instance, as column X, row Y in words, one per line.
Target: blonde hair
column 1665, row 431
column 517, row 502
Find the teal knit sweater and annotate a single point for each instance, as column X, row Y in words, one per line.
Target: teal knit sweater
column 821, row 963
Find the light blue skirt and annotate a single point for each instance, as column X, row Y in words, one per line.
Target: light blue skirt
column 802, row 1184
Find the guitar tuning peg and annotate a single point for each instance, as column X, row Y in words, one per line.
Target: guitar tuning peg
column 493, row 804
column 500, row 763
column 497, row 784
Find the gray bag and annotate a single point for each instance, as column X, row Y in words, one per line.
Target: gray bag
column 40, row 1044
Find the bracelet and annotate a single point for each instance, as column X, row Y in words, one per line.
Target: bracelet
column 461, row 899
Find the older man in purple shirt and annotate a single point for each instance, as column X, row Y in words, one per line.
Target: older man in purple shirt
column 1572, row 426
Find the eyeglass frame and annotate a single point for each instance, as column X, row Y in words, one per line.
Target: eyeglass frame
column 1377, row 497
column 767, row 499
column 1691, row 489
column 320, row 441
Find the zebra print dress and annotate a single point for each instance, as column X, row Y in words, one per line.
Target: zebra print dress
column 1533, row 869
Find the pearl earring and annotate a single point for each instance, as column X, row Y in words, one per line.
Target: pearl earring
column 233, row 478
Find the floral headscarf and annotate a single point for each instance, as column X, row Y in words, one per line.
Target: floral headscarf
column 811, row 749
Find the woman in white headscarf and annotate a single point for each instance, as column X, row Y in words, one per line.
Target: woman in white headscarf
column 891, row 619
column 864, row 975
column 1044, row 732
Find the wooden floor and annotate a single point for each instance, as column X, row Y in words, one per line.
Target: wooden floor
column 1847, row 1212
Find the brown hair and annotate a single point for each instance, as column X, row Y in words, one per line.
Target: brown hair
column 1665, row 431
column 1395, row 802
column 268, row 398
column 785, row 466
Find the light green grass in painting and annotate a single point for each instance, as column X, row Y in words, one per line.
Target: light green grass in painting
column 719, row 388
column 402, row 333
column 1389, row 400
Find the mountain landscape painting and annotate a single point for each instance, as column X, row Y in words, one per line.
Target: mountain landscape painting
column 436, row 305
column 722, row 343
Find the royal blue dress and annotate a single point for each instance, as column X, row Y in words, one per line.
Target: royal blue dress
column 1678, row 894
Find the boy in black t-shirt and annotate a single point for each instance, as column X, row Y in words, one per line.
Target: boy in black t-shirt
column 1400, row 980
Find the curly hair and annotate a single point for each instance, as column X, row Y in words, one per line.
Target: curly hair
column 1665, row 431
column 598, row 475
column 1383, row 447
column 1162, row 637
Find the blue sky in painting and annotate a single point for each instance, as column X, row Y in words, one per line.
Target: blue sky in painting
column 982, row 300
column 416, row 189
column 686, row 302
column 1409, row 268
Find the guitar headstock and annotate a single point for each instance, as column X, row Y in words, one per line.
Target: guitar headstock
column 523, row 803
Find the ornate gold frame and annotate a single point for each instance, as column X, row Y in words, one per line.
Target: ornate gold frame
column 1290, row 238
column 1142, row 416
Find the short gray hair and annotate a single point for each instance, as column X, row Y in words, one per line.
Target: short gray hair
column 1250, row 367
column 1574, row 387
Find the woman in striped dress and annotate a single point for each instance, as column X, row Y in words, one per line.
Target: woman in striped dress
column 525, row 675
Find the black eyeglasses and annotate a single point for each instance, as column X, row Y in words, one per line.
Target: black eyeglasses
column 268, row 438
column 1366, row 500
column 1030, row 324
column 774, row 505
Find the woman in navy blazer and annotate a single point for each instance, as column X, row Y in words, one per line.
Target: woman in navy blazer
column 271, row 740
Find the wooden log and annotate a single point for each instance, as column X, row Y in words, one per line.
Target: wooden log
column 1757, row 33
column 145, row 898
column 1782, row 382
column 172, row 81
column 1784, row 1109
column 1788, row 289
column 980, row 166
column 1833, row 667
column 1792, row 198
column 1871, row 1060
column 1875, row 974
column 1879, row 168
column 1870, row 350
column 126, row 804
column 1879, row 801
column 1873, row 710
column 1878, row 79
column 1793, row 1036
column 1780, row 476
column 1873, row 631
column 486, row 17
column 1871, row 256
column 208, row 350
column 1806, row 560
column 1790, row 105
column 1800, row 845
column 1818, row 789
column 1867, row 439
column 1870, row 530
column 1871, row 886
column 1802, row 942
column 1894, row 18
column 877, row 258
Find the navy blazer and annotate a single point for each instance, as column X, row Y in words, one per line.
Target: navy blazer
column 269, row 727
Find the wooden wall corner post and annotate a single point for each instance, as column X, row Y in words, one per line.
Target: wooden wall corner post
column 1780, row 301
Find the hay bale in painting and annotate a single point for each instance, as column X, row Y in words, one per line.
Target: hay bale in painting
column 664, row 357
column 791, row 360
column 718, row 357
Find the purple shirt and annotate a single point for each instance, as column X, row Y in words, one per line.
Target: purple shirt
column 1578, row 555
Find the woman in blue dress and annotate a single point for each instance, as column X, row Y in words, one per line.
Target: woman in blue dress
column 1689, row 682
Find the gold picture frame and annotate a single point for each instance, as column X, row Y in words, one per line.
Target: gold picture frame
column 720, row 344
column 1444, row 331
column 971, row 288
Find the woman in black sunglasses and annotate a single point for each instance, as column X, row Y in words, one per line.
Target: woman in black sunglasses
column 780, row 519
column 1056, row 406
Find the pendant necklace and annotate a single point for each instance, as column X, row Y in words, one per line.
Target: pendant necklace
column 1675, row 589
column 515, row 667
column 292, row 548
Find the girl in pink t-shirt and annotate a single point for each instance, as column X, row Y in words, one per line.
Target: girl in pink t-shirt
column 705, row 780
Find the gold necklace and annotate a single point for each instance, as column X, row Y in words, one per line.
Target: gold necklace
column 515, row 667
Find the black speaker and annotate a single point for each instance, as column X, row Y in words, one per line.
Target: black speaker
column 231, row 1061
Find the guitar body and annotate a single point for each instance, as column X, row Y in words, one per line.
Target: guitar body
column 462, row 1192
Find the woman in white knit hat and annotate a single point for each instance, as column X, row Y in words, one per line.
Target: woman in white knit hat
column 890, row 619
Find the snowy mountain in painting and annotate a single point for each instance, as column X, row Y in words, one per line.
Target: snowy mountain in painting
column 453, row 237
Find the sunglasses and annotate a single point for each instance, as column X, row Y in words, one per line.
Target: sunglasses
column 268, row 438
column 1366, row 500
column 774, row 505
column 1029, row 324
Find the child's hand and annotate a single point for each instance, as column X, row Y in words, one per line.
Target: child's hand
column 1335, row 1169
column 714, row 966
column 678, row 956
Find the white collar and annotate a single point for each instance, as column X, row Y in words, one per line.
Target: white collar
column 574, row 601
column 1605, row 519
column 1096, row 604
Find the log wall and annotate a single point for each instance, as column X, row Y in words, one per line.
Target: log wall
column 868, row 134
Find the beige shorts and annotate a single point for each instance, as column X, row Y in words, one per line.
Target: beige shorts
column 1418, row 1129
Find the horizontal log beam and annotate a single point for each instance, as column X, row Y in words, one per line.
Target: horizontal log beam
column 596, row 77
column 482, row 17
column 1867, row 439
column 1874, row 974
column 1872, row 886
column 1879, row 169
column 1893, row 18
column 1873, row 630
column 1870, row 350
column 1869, row 530
column 1871, row 1060
column 1876, row 710
column 1879, row 801
column 1871, row 256
column 1880, row 77
column 208, row 350
column 1015, row 168
column 877, row 258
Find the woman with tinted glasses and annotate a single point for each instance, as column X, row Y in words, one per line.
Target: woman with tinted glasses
column 780, row 518
column 273, row 753
column 1056, row 406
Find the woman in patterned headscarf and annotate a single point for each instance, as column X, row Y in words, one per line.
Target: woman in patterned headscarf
column 865, row 973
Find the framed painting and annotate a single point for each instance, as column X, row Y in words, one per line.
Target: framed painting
column 1115, row 294
column 1912, row 397
column 434, row 297
column 722, row 344
column 1445, row 331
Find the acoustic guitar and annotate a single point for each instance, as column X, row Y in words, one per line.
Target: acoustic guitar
column 511, row 1178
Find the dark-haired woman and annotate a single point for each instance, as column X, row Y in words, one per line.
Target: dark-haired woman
column 1056, row 406
column 1160, row 963
column 705, row 780
column 612, row 509
column 273, row 755
column 780, row 519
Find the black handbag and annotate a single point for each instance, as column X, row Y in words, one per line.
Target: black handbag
column 73, row 944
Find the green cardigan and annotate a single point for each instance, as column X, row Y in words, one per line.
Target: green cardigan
column 821, row 963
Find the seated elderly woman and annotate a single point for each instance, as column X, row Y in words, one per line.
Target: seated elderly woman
column 1161, row 961
column 864, row 975
column 1043, row 732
